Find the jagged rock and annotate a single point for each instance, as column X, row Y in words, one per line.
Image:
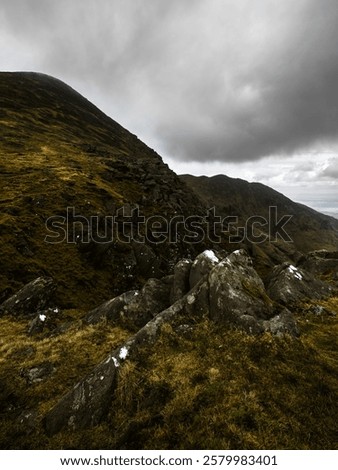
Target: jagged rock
column 87, row 403
column 152, row 299
column 290, row 285
column 321, row 262
column 281, row 324
column 110, row 310
column 237, row 290
column 31, row 298
column 134, row 309
column 202, row 265
column 148, row 264
column 181, row 280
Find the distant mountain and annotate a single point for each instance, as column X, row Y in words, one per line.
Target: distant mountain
column 308, row 230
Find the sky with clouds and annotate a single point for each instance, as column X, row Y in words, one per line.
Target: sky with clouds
column 248, row 88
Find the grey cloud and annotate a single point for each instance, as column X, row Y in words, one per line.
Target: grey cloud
column 331, row 171
column 217, row 80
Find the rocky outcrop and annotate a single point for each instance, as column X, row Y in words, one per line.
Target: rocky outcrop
column 202, row 265
column 110, row 310
column 237, row 293
column 290, row 285
column 181, row 280
column 134, row 309
column 30, row 299
column 86, row 404
column 321, row 262
column 229, row 292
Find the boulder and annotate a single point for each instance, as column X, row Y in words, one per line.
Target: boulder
column 235, row 289
column 282, row 324
column 110, row 310
column 290, row 285
column 321, row 262
column 202, row 265
column 147, row 303
column 134, row 309
column 181, row 283
column 86, row 403
column 31, row 298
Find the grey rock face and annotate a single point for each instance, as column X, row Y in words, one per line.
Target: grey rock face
column 290, row 285
column 134, row 309
column 30, row 299
column 321, row 262
column 237, row 290
column 110, row 310
column 202, row 265
column 86, row 404
column 281, row 324
column 181, row 280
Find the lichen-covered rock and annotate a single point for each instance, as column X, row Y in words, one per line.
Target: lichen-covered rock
column 281, row 324
column 237, row 290
column 30, row 299
column 147, row 303
column 181, row 280
column 110, row 310
column 202, row 265
column 290, row 285
column 134, row 309
column 86, row 404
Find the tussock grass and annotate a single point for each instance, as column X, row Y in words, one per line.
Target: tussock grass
column 213, row 388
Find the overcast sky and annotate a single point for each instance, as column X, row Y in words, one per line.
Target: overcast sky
column 248, row 88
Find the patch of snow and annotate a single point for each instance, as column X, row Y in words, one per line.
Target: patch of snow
column 17, row 301
column 56, row 310
column 191, row 299
column 236, row 252
column 42, row 317
column 211, row 255
column 123, row 353
column 136, row 293
column 293, row 270
column 116, row 362
column 102, row 377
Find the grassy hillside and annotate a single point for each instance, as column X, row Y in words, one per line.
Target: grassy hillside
column 57, row 150
column 208, row 388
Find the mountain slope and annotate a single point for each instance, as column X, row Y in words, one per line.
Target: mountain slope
column 57, row 150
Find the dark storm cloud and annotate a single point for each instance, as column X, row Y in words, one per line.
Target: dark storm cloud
column 208, row 80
